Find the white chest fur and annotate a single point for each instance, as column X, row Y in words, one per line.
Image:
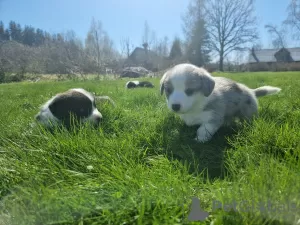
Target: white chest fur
column 196, row 118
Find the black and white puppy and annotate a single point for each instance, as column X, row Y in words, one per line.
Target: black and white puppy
column 136, row 83
column 75, row 102
column 201, row 99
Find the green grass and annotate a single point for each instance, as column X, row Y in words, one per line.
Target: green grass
column 142, row 165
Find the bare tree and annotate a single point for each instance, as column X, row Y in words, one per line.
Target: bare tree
column 293, row 18
column 153, row 40
column 161, row 47
column 165, row 46
column 16, row 58
column 278, row 36
column 100, row 47
column 75, row 54
column 231, row 25
column 149, row 36
column 126, row 46
column 93, row 43
column 146, row 34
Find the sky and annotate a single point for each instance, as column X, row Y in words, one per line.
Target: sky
column 122, row 18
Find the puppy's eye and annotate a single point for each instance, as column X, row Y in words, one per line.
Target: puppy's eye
column 168, row 90
column 189, row 92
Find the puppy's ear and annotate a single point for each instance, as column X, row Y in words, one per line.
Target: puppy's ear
column 207, row 85
column 207, row 82
column 162, row 83
column 162, row 88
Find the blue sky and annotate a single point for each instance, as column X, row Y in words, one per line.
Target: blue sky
column 121, row 18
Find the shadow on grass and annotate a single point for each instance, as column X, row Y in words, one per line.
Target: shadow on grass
column 179, row 143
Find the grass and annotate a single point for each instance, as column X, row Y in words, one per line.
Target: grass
column 142, row 165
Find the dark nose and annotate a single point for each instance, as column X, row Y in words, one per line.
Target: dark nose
column 176, row 107
column 98, row 119
column 38, row 117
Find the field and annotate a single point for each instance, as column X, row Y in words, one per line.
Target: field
column 142, row 165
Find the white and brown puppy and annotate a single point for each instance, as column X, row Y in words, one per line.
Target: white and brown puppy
column 136, row 83
column 200, row 99
column 75, row 102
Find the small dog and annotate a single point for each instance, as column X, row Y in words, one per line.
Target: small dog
column 76, row 102
column 200, row 99
column 136, row 83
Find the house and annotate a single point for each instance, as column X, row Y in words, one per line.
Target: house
column 274, row 55
column 275, row 59
column 145, row 58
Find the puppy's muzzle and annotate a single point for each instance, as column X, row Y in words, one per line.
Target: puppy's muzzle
column 176, row 107
column 38, row 117
column 98, row 119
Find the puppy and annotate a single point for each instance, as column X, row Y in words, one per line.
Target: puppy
column 136, row 83
column 75, row 102
column 200, row 99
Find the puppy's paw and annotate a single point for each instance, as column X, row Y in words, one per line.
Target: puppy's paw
column 201, row 139
column 203, row 134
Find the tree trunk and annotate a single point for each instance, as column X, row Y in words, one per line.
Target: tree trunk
column 221, row 62
column 98, row 55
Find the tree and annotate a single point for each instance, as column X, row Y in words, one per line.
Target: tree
column 28, row 36
column 175, row 51
column 198, row 47
column 99, row 47
column 36, row 51
column 231, row 26
column 148, row 37
column 126, row 46
column 15, row 31
column 74, row 53
column 16, row 57
column 161, row 47
column 39, row 37
column 293, row 18
column 278, row 36
column 195, row 30
column 4, row 33
column 257, row 46
column 165, row 44
column 93, row 43
column 153, row 40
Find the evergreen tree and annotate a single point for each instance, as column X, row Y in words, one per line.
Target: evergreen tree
column 39, row 37
column 2, row 31
column 176, row 51
column 197, row 48
column 28, row 36
column 197, row 37
column 7, row 35
column 15, row 31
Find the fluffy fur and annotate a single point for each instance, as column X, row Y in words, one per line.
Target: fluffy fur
column 75, row 102
column 200, row 99
column 136, row 83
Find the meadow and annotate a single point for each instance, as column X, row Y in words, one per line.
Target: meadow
column 142, row 165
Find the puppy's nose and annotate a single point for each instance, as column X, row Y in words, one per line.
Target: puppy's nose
column 98, row 119
column 176, row 107
column 38, row 117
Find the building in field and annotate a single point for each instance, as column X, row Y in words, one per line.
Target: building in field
column 274, row 59
column 143, row 57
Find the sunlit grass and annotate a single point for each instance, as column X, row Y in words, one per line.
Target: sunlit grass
column 142, row 165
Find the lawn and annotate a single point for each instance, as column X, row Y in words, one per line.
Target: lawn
column 142, row 165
